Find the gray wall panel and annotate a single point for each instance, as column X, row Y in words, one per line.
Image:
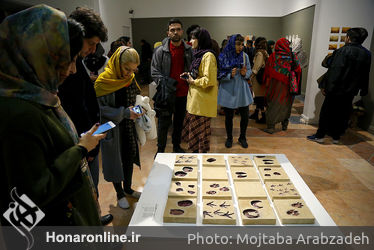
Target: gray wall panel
column 154, row 29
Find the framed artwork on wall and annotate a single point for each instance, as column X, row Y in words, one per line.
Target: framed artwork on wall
column 345, row 29
column 337, row 37
column 334, row 38
column 333, row 46
column 335, row 29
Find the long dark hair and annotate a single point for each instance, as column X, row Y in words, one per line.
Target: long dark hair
column 261, row 43
column 203, row 36
column 204, row 46
column 76, row 34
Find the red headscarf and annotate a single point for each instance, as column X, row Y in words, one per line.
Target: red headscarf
column 281, row 63
column 283, row 66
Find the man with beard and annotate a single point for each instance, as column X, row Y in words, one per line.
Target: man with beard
column 169, row 61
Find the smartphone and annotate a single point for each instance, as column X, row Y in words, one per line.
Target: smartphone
column 104, row 127
column 137, row 109
column 185, row 77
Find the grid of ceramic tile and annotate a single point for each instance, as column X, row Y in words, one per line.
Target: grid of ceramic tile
column 232, row 192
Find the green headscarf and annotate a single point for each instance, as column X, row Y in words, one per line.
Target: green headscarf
column 34, row 46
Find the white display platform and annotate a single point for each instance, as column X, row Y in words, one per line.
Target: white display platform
column 150, row 207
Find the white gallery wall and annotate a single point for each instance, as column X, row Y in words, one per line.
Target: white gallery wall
column 183, row 8
column 66, row 6
column 116, row 17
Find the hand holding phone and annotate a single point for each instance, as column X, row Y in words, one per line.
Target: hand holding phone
column 137, row 109
column 104, row 127
column 185, row 76
column 89, row 140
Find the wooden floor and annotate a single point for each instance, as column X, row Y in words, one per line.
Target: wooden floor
column 340, row 176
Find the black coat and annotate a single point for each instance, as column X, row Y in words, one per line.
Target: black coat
column 348, row 71
column 78, row 98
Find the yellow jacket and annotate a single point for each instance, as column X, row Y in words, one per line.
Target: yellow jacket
column 202, row 94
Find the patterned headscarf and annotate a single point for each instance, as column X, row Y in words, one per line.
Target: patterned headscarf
column 282, row 62
column 229, row 59
column 34, row 46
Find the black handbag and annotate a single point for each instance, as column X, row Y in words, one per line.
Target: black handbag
column 260, row 75
column 164, row 99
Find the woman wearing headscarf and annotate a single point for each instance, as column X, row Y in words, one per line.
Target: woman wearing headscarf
column 281, row 77
column 202, row 93
column 234, row 92
column 116, row 90
column 41, row 155
column 257, row 77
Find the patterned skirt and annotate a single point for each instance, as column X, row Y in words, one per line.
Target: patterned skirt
column 196, row 132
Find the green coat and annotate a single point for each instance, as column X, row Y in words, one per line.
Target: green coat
column 38, row 156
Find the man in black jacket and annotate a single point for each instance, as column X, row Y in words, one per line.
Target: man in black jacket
column 348, row 73
column 77, row 93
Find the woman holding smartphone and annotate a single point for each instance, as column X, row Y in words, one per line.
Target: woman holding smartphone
column 202, row 93
column 234, row 92
column 41, row 155
column 116, row 90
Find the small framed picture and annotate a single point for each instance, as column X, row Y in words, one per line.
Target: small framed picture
column 333, row 46
column 345, row 29
column 334, row 38
column 341, row 45
column 342, row 39
column 335, row 29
